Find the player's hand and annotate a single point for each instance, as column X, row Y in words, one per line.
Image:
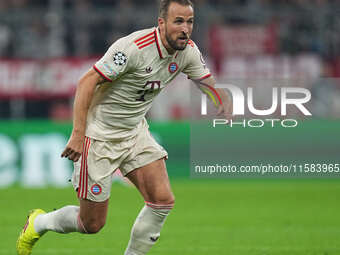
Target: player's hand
column 74, row 148
column 226, row 110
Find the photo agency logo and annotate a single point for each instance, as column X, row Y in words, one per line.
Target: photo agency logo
column 294, row 96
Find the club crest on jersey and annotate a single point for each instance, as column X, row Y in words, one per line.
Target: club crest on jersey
column 119, row 58
column 96, row 189
column 173, row 67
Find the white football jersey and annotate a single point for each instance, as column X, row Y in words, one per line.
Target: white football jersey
column 136, row 68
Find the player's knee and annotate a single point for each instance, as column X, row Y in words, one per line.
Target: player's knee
column 94, row 226
column 170, row 201
column 164, row 200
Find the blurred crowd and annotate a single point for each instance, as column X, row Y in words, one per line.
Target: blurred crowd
column 57, row 28
column 48, row 29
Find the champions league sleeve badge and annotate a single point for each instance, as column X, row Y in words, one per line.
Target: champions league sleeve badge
column 173, row 67
column 119, row 58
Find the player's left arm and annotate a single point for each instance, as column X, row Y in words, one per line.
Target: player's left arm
column 226, row 108
column 198, row 72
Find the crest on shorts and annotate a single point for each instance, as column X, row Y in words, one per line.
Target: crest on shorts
column 96, row 189
column 119, row 58
column 173, row 67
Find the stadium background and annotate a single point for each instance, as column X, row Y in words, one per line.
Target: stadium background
column 45, row 45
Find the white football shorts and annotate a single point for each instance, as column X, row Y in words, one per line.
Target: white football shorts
column 92, row 175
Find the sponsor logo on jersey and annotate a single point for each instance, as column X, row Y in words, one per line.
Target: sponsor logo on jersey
column 173, row 67
column 150, row 89
column 119, row 58
column 96, row 189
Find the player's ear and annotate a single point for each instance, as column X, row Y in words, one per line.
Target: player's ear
column 161, row 22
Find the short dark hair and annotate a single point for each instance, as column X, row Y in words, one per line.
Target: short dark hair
column 164, row 6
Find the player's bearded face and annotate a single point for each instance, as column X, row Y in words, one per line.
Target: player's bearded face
column 178, row 26
column 177, row 42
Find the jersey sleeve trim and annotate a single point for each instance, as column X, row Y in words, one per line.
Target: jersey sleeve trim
column 202, row 78
column 205, row 77
column 101, row 74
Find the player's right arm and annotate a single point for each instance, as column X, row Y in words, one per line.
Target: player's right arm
column 117, row 60
column 84, row 93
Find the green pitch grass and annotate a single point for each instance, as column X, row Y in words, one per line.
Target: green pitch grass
column 239, row 217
